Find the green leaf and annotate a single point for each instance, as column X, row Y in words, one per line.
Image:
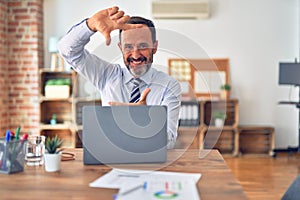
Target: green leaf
column 59, row 81
column 225, row 87
column 52, row 144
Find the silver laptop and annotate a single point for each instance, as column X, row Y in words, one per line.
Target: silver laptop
column 124, row 134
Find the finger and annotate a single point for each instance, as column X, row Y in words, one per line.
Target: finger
column 113, row 10
column 117, row 15
column 124, row 19
column 113, row 103
column 107, row 38
column 130, row 26
column 144, row 94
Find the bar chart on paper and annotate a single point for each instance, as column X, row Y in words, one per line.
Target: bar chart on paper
column 162, row 190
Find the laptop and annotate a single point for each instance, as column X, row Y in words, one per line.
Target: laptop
column 124, row 134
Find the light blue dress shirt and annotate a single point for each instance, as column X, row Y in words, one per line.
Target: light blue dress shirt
column 115, row 82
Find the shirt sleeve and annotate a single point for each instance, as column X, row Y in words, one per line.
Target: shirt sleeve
column 172, row 99
column 71, row 48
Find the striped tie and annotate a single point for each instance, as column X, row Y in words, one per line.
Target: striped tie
column 135, row 93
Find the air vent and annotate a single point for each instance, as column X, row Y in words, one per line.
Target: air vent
column 181, row 9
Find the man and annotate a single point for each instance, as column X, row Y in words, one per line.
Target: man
column 116, row 84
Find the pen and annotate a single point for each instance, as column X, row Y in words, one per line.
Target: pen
column 12, row 135
column 7, row 137
column 18, row 149
column 13, row 154
column 5, row 150
column 17, row 133
column 144, row 186
column 24, row 137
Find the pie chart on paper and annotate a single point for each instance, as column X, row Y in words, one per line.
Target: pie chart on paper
column 164, row 194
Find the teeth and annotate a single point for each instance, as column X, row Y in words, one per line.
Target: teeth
column 137, row 62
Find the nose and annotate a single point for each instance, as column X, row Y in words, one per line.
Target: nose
column 135, row 52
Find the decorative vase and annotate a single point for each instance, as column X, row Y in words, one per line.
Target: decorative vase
column 219, row 122
column 52, row 162
column 53, row 121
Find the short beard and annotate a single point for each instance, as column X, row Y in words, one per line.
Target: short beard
column 140, row 72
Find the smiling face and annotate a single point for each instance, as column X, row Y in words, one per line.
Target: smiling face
column 138, row 49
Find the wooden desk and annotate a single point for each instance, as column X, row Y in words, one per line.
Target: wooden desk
column 72, row 182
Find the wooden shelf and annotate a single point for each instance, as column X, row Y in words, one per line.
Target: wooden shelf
column 61, row 107
column 224, row 128
column 225, row 138
column 79, row 127
column 188, row 128
column 86, row 99
column 56, row 126
column 43, row 98
column 68, row 110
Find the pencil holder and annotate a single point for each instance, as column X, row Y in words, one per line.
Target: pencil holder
column 12, row 156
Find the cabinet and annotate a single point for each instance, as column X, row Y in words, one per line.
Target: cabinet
column 189, row 125
column 64, row 103
column 197, row 128
column 224, row 138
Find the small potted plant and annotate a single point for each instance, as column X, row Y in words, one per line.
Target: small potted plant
column 224, row 93
column 58, row 88
column 53, row 154
column 219, row 118
column 53, row 119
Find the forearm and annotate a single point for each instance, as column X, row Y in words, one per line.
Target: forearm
column 71, row 46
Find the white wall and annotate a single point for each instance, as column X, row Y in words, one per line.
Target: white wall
column 255, row 35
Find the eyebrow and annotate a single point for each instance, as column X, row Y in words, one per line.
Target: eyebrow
column 141, row 43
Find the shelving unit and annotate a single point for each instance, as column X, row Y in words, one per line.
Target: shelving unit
column 68, row 126
column 201, row 79
column 189, row 125
column 204, row 134
column 225, row 138
column 61, row 107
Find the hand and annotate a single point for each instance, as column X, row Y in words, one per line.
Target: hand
column 142, row 100
column 105, row 21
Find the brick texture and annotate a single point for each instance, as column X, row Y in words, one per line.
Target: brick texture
column 3, row 68
column 21, row 40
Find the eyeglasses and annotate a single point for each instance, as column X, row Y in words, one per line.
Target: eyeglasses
column 140, row 47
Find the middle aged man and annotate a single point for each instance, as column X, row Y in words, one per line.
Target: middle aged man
column 136, row 83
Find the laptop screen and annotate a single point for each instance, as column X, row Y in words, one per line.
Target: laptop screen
column 124, row 134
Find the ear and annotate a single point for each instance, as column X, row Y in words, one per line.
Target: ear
column 120, row 46
column 155, row 45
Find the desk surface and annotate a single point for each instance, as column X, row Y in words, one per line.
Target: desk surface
column 72, row 182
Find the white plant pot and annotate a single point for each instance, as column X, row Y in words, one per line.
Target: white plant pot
column 224, row 94
column 52, row 162
column 219, row 122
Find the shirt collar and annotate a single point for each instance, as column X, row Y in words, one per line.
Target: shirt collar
column 146, row 78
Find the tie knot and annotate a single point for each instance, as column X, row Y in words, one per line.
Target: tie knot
column 137, row 82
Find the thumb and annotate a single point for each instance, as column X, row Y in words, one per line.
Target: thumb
column 107, row 38
column 144, row 94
